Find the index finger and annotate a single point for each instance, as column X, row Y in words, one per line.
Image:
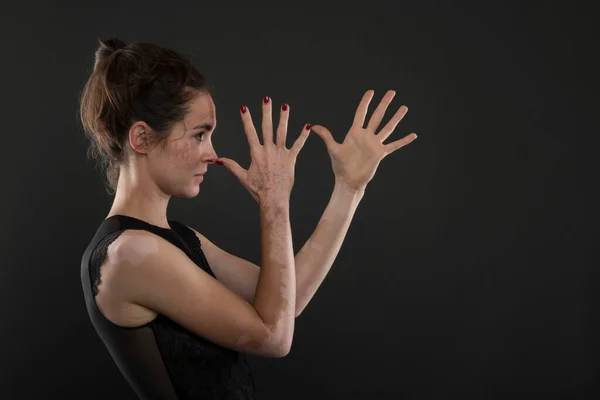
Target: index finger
column 251, row 134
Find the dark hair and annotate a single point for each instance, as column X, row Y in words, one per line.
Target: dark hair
column 135, row 82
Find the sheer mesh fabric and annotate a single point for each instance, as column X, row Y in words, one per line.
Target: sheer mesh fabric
column 162, row 359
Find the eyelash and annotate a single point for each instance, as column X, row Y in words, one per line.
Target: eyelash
column 200, row 134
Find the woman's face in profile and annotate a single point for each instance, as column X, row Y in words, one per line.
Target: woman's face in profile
column 188, row 150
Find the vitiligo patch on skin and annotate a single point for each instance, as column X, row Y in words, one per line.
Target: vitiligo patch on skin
column 278, row 330
column 258, row 346
column 278, row 251
column 281, row 254
column 269, row 344
column 140, row 245
column 280, row 257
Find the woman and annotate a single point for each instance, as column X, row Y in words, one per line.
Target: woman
column 176, row 313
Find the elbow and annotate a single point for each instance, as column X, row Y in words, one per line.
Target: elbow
column 281, row 340
column 284, row 347
column 275, row 351
column 283, row 351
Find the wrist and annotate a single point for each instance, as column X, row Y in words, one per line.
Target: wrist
column 342, row 187
column 273, row 203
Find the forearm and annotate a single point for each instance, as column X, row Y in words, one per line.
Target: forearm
column 316, row 257
column 276, row 287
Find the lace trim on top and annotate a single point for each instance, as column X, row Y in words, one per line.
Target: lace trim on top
column 98, row 257
column 198, row 368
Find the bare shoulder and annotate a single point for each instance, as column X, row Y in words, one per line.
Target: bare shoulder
column 120, row 273
column 151, row 273
column 112, row 299
column 134, row 243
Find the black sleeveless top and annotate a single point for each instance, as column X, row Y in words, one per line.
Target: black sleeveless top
column 162, row 359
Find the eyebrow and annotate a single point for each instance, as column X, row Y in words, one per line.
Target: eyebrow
column 206, row 126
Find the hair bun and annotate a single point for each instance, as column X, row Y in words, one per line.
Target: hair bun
column 107, row 47
column 113, row 43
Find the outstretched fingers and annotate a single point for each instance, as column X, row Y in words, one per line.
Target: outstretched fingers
column 283, row 125
column 392, row 147
column 251, row 134
column 299, row 143
column 387, row 130
column 267, row 121
column 380, row 111
column 361, row 111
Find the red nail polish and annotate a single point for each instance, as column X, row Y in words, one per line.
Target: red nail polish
column 284, row 107
column 244, row 109
column 219, row 162
column 308, row 127
column 266, row 99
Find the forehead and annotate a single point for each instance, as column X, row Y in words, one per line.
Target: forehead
column 202, row 109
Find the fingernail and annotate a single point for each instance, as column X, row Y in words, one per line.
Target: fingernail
column 266, row 99
column 219, row 162
column 244, row 109
column 284, row 107
column 308, row 127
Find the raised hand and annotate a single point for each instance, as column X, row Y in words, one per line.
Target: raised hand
column 356, row 159
column 270, row 176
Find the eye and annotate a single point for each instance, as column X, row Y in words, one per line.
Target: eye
column 199, row 136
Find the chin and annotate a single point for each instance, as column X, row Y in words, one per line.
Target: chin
column 193, row 190
column 186, row 192
column 189, row 193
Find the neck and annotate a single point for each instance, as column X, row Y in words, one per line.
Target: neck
column 139, row 197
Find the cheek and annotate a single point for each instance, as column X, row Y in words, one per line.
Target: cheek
column 184, row 155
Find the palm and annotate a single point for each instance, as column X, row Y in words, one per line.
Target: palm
column 355, row 160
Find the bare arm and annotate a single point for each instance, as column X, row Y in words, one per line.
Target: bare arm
column 316, row 257
column 354, row 163
column 275, row 297
column 153, row 273
column 312, row 263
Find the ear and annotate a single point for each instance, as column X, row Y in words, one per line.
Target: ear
column 138, row 136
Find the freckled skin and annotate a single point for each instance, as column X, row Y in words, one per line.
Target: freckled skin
column 269, row 179
column 184, row 155
column 279, row 262
column 278, row 252
column 156, row 173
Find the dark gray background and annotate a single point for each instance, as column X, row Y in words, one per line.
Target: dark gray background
column 467, row 270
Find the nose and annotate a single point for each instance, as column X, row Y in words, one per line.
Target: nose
column 210, row 156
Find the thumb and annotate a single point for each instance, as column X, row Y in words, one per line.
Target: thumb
column 325, row 135
column 234, row 168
